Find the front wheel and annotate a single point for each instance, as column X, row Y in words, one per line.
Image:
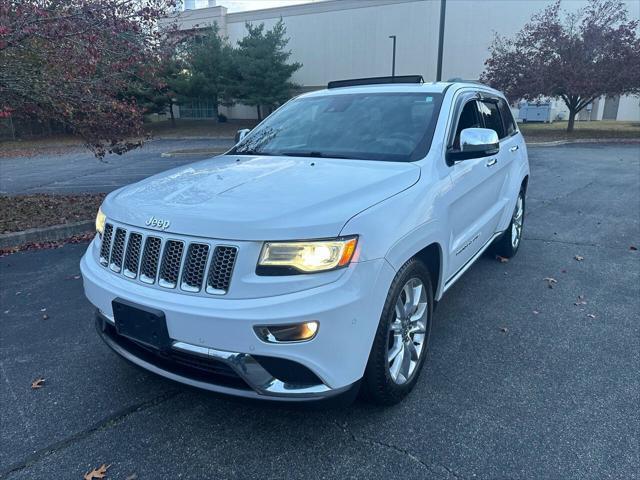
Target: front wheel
column 507, row 245
column 400, row 345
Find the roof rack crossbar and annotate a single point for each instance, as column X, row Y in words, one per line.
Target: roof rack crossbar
column 376, row 81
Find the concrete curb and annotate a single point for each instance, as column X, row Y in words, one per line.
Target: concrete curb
column 46, row 234
column 582, row 140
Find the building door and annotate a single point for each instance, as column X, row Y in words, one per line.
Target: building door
column 610, row 111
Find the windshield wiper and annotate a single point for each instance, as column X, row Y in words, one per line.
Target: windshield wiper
column 251, row 152
column 312, row 154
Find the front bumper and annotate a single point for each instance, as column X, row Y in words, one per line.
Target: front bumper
column 220, row 331
column 247, row 371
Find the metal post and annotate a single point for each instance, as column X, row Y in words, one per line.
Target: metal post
column 443, row 8
column 393, row 62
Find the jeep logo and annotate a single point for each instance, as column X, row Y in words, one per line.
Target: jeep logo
column 158, row 223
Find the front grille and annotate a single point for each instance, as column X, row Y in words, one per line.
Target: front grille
column 150, row 259
column 117, row 250
column 224, row 258
column 105, row 249
column 171, row 260
column 132, row 258
column 192, row 267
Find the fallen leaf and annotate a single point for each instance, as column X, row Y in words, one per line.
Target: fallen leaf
column 536, row 312
column 580, row 301
column 550, row 281
column 579, row 258
column 504, row 329
column 45, row 317
column 43, row 309
column 501, row 259
column 633, row 247
column 38, row 383
column 591, row 315
column 99, row 472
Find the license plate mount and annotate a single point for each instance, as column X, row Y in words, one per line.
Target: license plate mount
column 141, row 324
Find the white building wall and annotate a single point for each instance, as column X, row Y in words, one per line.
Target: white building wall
column 629, row 108
column 338, row 39
column 354, row 42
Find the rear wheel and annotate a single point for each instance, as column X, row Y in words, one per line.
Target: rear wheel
column 509, row 243
column 400, row 345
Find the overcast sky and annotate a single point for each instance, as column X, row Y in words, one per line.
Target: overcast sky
column 241, row 5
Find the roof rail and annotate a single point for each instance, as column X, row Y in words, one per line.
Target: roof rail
column 376, row 81
column 462, row 80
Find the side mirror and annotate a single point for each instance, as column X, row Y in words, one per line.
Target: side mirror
column 240, row 134
column 475, row 143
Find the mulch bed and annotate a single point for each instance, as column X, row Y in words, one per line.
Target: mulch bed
column 22, row 212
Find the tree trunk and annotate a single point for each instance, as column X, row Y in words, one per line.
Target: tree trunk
column 572, row 120
column 173, row 118
column 259, row 113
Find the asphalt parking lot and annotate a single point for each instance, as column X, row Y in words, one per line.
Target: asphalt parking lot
column 79, row 171
column 520, row 381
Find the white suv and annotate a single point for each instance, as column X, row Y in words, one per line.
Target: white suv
column 306, row 262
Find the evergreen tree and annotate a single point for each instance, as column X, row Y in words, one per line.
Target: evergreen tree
column 208, row 64
column 263, row 74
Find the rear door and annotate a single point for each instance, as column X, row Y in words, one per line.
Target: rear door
column 512, row 154
column 500, row 170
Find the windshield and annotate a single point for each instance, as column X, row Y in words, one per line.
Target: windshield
column 367, row 126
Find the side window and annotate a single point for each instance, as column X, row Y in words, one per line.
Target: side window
column 491, row 116
column 469, row 118
column 507, row 117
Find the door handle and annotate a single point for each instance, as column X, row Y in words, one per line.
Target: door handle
column 491, row 162
column 514, row 148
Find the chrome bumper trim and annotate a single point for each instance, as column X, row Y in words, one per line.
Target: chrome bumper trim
column 262, row 383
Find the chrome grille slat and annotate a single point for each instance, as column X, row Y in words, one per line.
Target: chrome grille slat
column 150, row 260
column 194, row 267
column 117, row 251
column 105, row 248
column 153, row 259
column 220, row 270
column 171, row 261
column 132, row 257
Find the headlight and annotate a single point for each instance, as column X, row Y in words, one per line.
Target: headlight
column 101, row 219
column 286, row 258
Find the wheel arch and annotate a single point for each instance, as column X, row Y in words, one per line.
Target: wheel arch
column 431, row 256
column 428, row 251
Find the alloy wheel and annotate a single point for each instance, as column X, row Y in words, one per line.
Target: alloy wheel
column 517, row 222
column 407, row 331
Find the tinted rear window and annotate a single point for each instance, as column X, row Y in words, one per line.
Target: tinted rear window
column 491, row 115
column 507, row 117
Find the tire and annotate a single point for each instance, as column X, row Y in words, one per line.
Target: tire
column 508, row 244
column 396, row 335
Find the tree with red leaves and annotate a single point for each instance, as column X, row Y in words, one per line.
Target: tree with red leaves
column 577, row 57
column 71, row 60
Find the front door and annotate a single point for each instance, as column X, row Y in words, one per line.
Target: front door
column 477, row 202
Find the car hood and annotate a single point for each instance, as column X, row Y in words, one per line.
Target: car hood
column 261, row 197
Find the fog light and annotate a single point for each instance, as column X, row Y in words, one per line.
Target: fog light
column 298, row 332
